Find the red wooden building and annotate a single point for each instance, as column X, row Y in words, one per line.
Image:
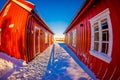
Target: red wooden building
column 95, row 32
column 23, row 34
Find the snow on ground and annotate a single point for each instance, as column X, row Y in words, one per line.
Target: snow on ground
column 5, row 66
column 55, row 63
column 35, row 69
column 62, row 67
column 8, row 64
column 79, row 62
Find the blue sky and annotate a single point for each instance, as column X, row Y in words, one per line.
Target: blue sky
column 57, row 14
column 2, row 2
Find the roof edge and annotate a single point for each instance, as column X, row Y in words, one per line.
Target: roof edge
column 41, row 20
column 24, row 4
column 80, row 12
column 4, row 6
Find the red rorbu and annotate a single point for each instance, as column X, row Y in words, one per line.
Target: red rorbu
column 95, row 32
column 23, row 34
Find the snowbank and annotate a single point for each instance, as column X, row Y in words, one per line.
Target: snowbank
column 8, row 64
column 35, row 69
column 5, row 66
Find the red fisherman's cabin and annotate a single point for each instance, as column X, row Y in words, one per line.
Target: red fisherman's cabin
column 23, row 34
column 95, row 32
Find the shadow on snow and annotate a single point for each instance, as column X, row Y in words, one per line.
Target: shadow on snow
column 56, row 69
column 58, row 64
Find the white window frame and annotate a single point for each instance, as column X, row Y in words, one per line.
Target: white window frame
column 46, row 37
column 102, row 15
column 74, row 38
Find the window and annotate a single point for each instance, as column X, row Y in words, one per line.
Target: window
column 68, row 38
column 37, row 39
column 74, row 38
column 101, row 38
column 46, row 37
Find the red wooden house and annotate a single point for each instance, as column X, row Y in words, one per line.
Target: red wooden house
column 23, row 34
column 95, row 32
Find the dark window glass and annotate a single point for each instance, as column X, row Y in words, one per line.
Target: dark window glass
column 96, row 46
column 105, row 48
column 105, row 36
column 96, row 27
column 104, row 24
column 96, row 37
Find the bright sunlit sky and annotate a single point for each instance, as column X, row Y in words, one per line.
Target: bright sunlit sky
column 57, row 14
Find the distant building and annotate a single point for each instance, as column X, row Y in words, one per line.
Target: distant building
column 94, row 36
column 61, row 39
column 23, row 34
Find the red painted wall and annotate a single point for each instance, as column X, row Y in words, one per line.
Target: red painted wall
column 102, row 70
column 21, row 32
column 14, row 35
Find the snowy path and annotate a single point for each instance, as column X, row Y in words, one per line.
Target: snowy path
column 62, row 67
column 53, row 64
column 35, row 69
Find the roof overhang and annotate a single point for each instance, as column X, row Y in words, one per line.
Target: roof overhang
column 24, row 4
column 84, row 7
column 30, row 8
column 36, row 16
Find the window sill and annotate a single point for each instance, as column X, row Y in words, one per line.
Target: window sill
column 101, row 56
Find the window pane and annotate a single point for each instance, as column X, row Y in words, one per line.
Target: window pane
column 74, row 38
column 96, row 37
column 96, row 46
column 105, row 48
column 96, row 27
column 37, row 39
column 105, row 36
column 104, row 24
column 46, row 37
column 68, row 38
